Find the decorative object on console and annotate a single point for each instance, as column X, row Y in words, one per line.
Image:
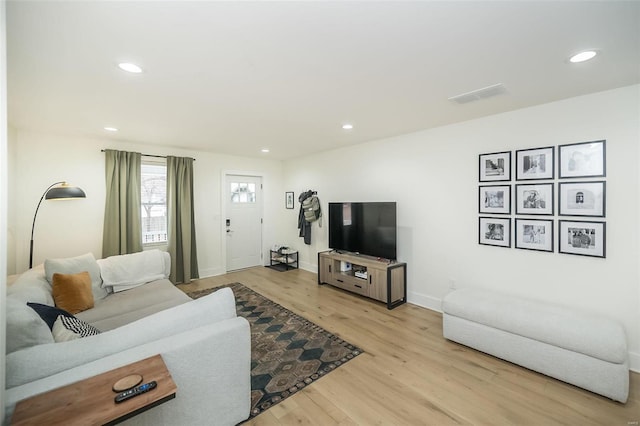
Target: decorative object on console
column 495, row 167
column 534, row 163
column 584, row 159
column 127, row 382
column 62, row 192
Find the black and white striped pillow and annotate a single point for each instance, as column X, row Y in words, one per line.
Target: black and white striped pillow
column 71, row 328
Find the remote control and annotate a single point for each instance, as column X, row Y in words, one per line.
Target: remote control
column 123, row 396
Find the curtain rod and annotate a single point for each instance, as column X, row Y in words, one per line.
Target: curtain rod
column 152, row 155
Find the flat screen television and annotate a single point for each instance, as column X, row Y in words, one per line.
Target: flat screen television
column 364, row 228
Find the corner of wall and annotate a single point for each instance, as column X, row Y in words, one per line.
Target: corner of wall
column 3, row 200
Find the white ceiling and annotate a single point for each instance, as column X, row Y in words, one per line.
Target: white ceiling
column 234, row 77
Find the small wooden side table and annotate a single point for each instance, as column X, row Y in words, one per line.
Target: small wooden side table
column 91, row 401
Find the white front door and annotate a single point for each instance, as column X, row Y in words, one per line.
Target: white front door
column 243, row 221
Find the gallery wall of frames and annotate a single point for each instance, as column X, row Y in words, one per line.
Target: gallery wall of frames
column 540, row 209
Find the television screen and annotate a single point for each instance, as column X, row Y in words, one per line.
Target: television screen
column 365, row 228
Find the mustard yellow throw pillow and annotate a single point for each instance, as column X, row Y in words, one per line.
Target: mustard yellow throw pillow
column 72, row 292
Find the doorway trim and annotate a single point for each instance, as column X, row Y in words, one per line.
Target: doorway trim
column 223, row 212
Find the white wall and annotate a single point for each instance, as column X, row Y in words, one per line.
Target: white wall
column 71, row 228
column 11, row 199
column 433, row 176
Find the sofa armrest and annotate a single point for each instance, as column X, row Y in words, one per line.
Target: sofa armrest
column 36, row 362
column 210, row 366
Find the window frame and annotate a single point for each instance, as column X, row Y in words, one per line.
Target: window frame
column 153, row 161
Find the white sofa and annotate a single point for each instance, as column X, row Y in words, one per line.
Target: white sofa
column 205, row 346
column 580, row 348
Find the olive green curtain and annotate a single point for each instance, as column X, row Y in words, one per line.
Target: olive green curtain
column 122, row 232
column 180, row 213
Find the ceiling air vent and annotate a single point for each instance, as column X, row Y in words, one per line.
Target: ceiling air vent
column 476, row 95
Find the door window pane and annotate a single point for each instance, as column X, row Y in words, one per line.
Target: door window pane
column 243, row 192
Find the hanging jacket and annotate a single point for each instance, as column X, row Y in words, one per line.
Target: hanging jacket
column 309, row 207
column 312, row 211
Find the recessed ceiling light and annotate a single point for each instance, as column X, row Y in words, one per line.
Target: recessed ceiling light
column 347, row 126
column 265, row 150
column 111, row 129
column 129, row 67
column 583, row 56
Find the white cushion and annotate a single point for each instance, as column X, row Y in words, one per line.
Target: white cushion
column 25, row 328
column 127, row 271
column 32, row 286
column 73, row 265
column 557, row 325
column 127, row 306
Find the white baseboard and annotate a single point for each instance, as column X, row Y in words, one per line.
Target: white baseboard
column 309, row 267
column 425, row 301
column 211, row 272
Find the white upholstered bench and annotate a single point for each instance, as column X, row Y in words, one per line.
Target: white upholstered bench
column 586, row 350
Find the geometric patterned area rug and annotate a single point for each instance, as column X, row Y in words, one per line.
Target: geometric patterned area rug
column 288, row 352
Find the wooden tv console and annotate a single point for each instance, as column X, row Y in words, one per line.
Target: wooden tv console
column 367, row 276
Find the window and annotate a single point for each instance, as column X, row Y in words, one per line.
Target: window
column 154, row 201
column 243, row 192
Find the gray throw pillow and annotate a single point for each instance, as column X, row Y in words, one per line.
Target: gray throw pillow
column 73, row 265
column 25, row 328
column 32, row 286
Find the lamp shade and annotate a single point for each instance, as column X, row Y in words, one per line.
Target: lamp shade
column 57, row 191
column 64, row 191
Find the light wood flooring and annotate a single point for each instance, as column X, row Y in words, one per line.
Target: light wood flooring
column 409, row 374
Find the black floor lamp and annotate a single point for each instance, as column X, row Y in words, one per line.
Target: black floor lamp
column 62, row 192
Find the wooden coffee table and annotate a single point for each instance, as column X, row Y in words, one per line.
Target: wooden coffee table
column 91, row 401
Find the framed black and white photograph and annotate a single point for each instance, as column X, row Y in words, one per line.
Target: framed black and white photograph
column 534, row 199
column 494, row 231
column 534, row 234
column 288, row 200
column 495, row 199
column 535, row 163
column 495, row 167
column 582, row 238
column 582, row 198
column 584, row 159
